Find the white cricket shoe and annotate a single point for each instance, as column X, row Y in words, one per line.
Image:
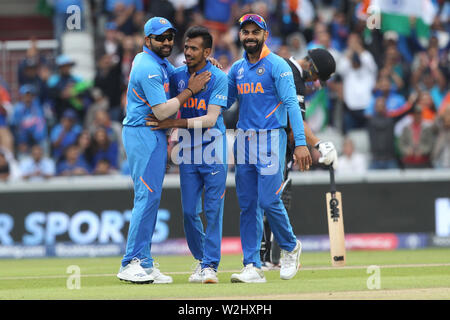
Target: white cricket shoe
column 249, row 274
column 157, row 275
column 209, row 275
column 290, row 262
column 133, row 272
column 197, row 275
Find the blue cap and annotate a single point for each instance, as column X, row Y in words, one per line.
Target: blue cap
column 27, row 88
column 157, row 26
column 255, row 18
column 63, row 60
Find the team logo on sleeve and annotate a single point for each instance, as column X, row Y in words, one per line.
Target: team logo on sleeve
column 240, row 73
column 260, row 71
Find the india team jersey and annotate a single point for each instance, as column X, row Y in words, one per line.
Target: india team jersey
column 148, row 86
column 265, row 90
column 215, row 92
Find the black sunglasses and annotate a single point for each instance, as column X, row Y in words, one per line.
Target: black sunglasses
column 162, row 37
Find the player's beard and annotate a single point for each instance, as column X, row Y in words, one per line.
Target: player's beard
column 163, row 51
column 253, row 49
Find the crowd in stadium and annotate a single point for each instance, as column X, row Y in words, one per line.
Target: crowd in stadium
column 391, row 86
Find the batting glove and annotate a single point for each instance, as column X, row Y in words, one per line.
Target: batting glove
column 328, row 153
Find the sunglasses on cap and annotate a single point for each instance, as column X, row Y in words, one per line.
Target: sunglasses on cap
column 254, row 18
column 163, row 37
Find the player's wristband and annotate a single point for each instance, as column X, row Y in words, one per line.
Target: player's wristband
column 192, row 92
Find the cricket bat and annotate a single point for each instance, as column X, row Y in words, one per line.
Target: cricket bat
column 335, row 223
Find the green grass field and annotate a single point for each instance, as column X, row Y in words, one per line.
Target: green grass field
column 403, row 274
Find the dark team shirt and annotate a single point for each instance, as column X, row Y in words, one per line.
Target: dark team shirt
column 300, row 89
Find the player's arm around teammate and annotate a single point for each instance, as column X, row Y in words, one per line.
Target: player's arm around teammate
column 148, row 90
column 202, row 132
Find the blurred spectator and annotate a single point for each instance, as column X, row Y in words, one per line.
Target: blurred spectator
column 32, row 74
column 297, row 45
column 381, row 137
column 103, row 167
column 283, row 51
column 100, row 102
column 6, row 136
column 440, row 155
column 64, row 134
column 162, row 8
column 128, row 16
column 28, row 67
column 427, row 75
column 61, row 86
column 72, row 164
column 339, row 30
column 111, row 44
column 84, row 143
column 113, row 129
column 28, row 121
column 427, row 105
column 358, row 70
column 395, row 102
column 351, row 161
column 225, row 49
column 185, row 15
column 108, row 79
column 37, row 167
column 219, row 15
column 416, row 141
column 110, row 5
column 395, row 69
column 128, row 54
column 9, row 169
column 104, row 149
column 322, row 39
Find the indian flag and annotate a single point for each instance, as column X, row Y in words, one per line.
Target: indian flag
column 396, row 14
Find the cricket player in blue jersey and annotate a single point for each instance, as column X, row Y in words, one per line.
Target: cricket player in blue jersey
column 202, row 155
column 148, row 92
column 263, row 84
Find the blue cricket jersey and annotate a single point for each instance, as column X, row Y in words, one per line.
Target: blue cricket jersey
column 215, row 92
column 148, row 86
column 265, row 91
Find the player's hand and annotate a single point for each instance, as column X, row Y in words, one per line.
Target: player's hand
column 328, row 154
column 198, row 81
column 302, row 157
column 151, row 120
column 215, row 62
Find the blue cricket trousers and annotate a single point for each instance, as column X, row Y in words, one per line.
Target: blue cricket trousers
column 147, row 155
column 258, row 185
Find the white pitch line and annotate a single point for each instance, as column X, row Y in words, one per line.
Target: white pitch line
column 228, row 271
